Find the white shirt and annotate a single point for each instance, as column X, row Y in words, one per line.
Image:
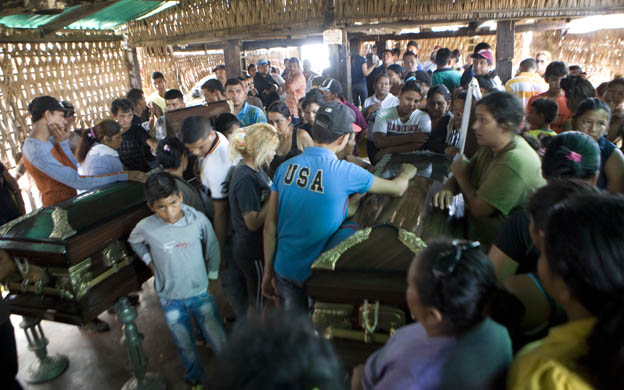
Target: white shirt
column 389, row 101
column 216, row 168
column 388, row 122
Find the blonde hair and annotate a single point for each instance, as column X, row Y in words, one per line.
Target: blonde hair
column 254, row 142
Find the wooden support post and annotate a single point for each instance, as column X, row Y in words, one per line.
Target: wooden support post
column 504, row 49
column 232, row 55
column 380, row 44
column 340, row 65
column 134, row 68
column 345, row 68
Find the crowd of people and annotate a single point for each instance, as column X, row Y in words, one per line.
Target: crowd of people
column 540, row 176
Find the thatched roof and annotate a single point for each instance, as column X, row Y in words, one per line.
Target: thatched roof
column 214, row 20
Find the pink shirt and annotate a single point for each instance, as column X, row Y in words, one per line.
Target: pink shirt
column 295, row 90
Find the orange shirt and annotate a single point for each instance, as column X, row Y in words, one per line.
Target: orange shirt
column 52, row 191
column 562, row 116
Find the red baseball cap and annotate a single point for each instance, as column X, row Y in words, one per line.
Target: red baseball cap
column 486, row 54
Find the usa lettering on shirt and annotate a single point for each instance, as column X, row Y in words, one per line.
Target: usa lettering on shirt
column 304, row 178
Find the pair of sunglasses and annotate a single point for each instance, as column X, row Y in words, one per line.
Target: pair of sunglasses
column 447, row 261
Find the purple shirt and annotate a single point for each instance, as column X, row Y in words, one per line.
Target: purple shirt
column 409, row 360
column 359, row 118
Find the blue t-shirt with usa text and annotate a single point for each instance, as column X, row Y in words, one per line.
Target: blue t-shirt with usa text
column 313, row 198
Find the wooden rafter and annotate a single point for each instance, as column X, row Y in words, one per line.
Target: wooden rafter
column 74, row 15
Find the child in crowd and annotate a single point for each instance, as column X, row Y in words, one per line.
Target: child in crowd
column 255, row 145
column 226, row 124
column 403, row 128
column 542, row 112
column 576, row 89
column 555, row 72
column 454, row 343
column 592, row 118
column 180, row 247
column 173, row 159
column 581, row 268
column 310, row 192
column 97, row 151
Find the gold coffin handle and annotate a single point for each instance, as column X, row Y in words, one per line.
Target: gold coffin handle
column 355, row 335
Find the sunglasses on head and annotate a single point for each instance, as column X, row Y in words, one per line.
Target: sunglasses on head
column 446, row 262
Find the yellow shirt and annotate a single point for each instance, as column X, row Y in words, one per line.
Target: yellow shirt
column 551, row 363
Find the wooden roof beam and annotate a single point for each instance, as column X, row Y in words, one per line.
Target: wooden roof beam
column 462, row 32
column 74, row 15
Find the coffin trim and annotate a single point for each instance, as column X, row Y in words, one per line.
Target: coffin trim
column 327, row 260
column 62, row 229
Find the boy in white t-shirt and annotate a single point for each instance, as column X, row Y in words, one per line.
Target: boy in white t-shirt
column 212, row 148
column 403, row 128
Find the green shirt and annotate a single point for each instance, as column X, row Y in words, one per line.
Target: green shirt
column 449, row 77
column 505, row 181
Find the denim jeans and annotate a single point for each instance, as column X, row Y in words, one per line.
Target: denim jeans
column 178, row 314
column 359, row 93
column 292, row 295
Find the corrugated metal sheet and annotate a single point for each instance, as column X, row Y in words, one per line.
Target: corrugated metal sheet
column 110, row 17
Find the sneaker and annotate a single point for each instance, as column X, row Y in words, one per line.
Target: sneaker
column 96, row 326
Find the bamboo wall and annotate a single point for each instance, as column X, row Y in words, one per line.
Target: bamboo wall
column 88, row 74
column 192, row 68
column 196, row 20
column 180, row 71
column 600, row 54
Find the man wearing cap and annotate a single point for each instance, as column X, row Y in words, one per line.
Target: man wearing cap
column 482, row 62
column 49, row 160
column 332, row 92
column 220, row 73
column 309, row 201
column 267, row 88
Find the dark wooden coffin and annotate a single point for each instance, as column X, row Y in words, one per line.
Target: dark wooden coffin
column 73, row 258
column 175, row 118
column 369, row 269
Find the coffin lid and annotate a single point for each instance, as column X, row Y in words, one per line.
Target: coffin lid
column 58, row 223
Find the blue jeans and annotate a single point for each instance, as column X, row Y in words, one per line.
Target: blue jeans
column 291, row 294
column 178, row 316
column 359, row 93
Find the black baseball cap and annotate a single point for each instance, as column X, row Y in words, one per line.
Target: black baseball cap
column 39, row 105
column 335, row 118
column 331, row 85
column 218, row 67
